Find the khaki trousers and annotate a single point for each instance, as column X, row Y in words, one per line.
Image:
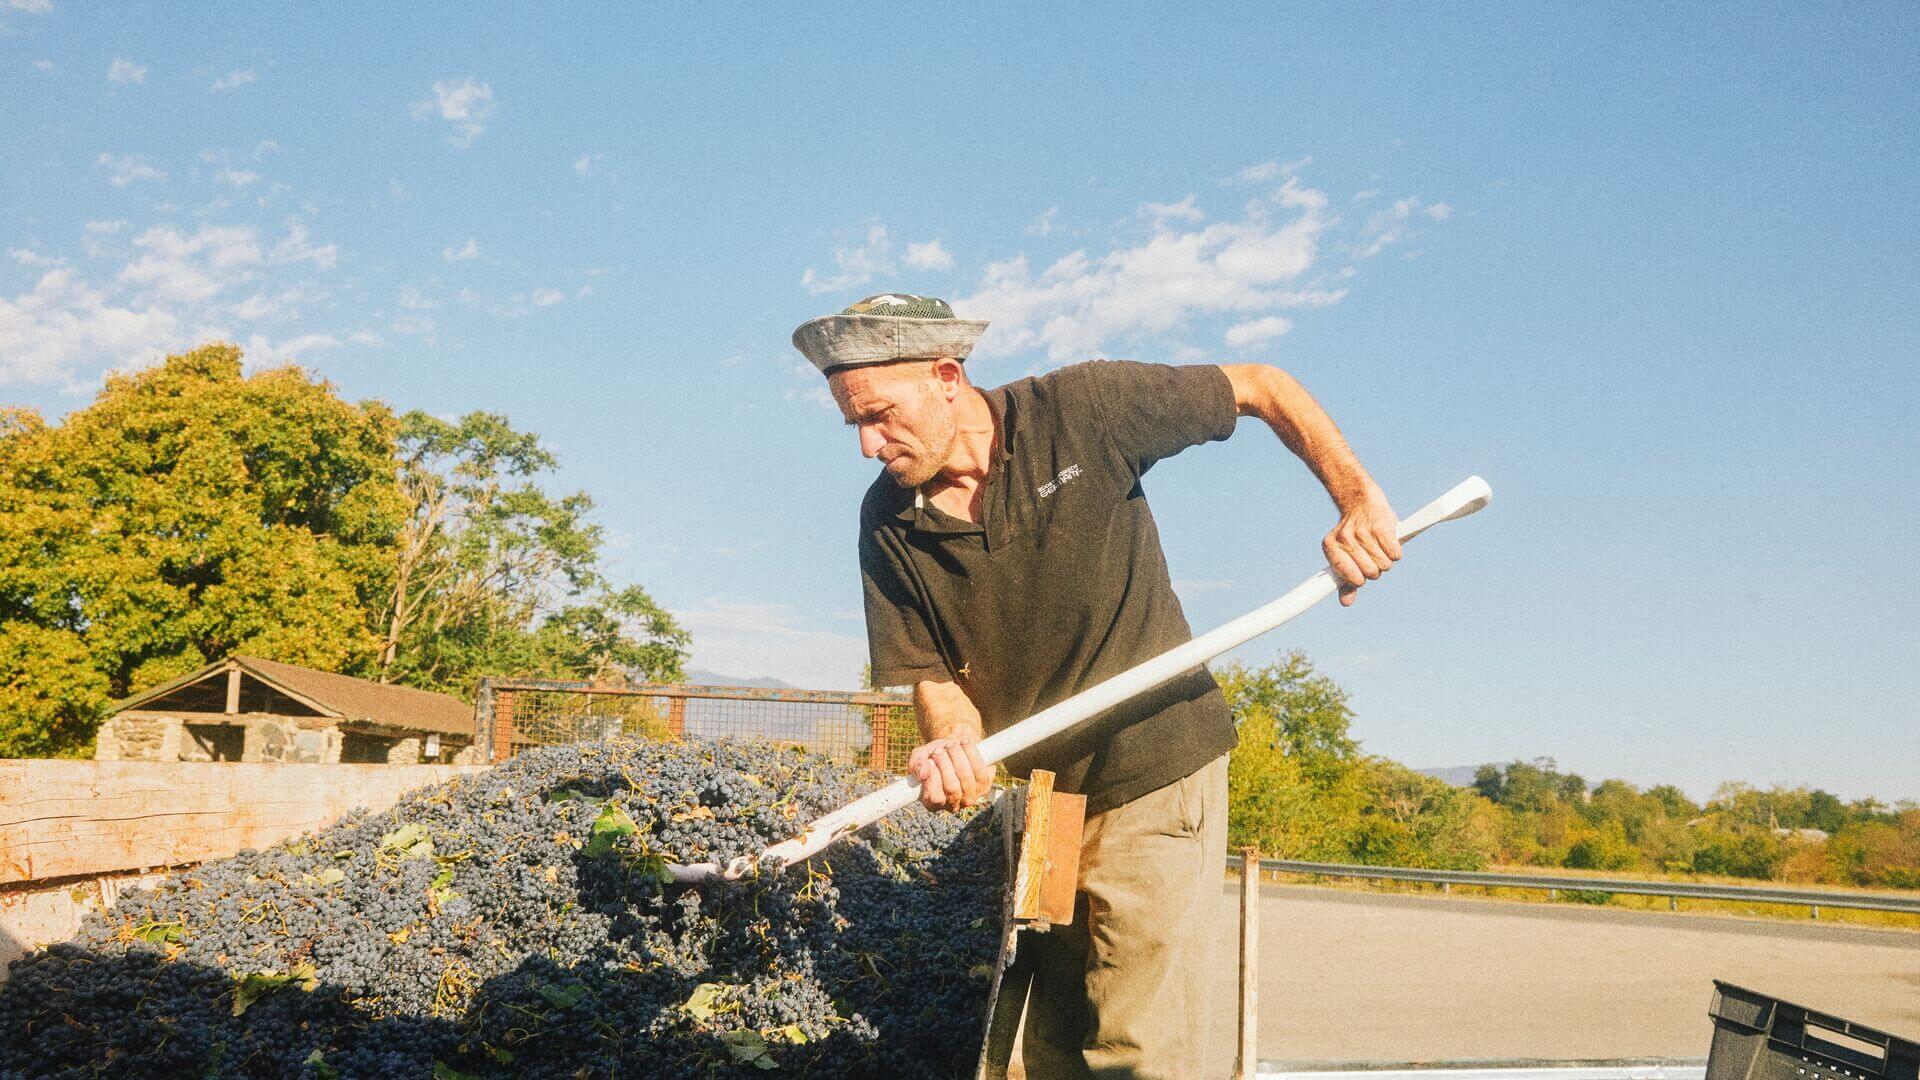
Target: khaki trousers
column 1122, row 991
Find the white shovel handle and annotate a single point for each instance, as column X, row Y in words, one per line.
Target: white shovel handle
column 1468, row 497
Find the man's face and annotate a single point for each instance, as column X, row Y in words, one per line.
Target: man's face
column 905, row 415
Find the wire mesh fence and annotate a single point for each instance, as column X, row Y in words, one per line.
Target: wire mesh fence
column 877, row 731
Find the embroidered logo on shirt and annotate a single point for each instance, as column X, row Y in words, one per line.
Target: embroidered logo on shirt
column 1053, row 485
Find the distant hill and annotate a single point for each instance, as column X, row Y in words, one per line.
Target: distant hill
column 837, row 730
column 1458, row 775
column 710, row 678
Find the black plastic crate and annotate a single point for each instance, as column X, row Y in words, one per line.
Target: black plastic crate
column 1757, row 1037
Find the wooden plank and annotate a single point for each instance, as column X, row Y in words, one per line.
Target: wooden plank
column 1061, row 879
column 71, row 818
column 1031, row 870
column 1006, row 1005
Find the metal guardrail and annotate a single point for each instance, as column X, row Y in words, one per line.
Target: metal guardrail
column 1672, row 890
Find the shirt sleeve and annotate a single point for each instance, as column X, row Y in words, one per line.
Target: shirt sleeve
column 1154, row 411
column 900, row 641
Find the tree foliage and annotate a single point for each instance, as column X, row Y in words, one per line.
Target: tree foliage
column 189, row 512
column 194, row 510
column 494, row 576
column 1300, row 787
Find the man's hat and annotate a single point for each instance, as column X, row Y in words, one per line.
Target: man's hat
column 885, row 328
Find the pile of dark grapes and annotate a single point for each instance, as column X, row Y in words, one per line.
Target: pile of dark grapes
column 518, row 922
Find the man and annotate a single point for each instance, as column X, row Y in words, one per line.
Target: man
column 1009, row 562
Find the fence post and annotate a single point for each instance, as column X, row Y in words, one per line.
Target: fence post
column 483, row 720
column 881, row 719
column 677, row 716
column 1249, row 1060
column 502, row 725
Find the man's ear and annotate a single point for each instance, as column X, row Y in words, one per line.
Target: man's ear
column 949, row 375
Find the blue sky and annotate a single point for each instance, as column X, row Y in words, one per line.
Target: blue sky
column 1654, row 274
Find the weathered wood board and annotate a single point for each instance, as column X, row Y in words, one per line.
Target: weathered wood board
column 1043, row 829
column 63, row 819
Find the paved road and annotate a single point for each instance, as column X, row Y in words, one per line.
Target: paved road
column 1374, row 977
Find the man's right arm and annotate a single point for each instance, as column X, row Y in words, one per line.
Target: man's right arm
column 951, row 772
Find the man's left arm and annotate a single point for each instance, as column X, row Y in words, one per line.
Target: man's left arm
column 1366, row 540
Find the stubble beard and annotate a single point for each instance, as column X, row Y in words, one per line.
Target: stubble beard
column 936, row 449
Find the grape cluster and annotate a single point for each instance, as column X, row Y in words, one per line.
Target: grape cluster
column 519, row 923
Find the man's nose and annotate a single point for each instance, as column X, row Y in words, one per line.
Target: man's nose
column 870, row 440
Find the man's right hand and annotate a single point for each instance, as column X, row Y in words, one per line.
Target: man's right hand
column 952, row 774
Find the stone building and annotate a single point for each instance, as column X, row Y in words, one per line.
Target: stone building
column 247, row 709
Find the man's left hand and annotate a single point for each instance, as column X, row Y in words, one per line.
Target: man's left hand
column 1365, row 544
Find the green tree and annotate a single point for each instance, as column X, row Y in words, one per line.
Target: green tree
column 1299, row 787
column 193, row 511
column 189, row 512
column 493, row 576
column 1410, row 819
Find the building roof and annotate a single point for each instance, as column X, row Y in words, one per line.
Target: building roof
column 343, row 697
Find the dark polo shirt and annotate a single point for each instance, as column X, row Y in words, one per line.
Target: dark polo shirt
column 1062, row 584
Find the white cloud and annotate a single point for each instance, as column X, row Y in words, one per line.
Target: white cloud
column 928, row 256
column 1043, row 225
column 296, row 246
column 93, row 241
column 175, row 267
column 1390, row 225
column 29, row 257
column 233, row 80
column 1257, row 331
column 753, row 640
column 366, row 337
column 143, row 294
column 545, row 297
column 261, row 352
column 464, row 104
column 284, row 304
column 462, row 254
column 1080, row 302
column 127, row 168
column 237, row 177
column 43, row 65
column 584, row 164
column 31, row 7
column 420, row 326
column 1163, row 213
column 125, row 71
column 1268, row 171
column 265, row 147
column 63, row 324
column 854, row 266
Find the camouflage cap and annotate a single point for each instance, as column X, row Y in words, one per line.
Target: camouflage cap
column 884, row 328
